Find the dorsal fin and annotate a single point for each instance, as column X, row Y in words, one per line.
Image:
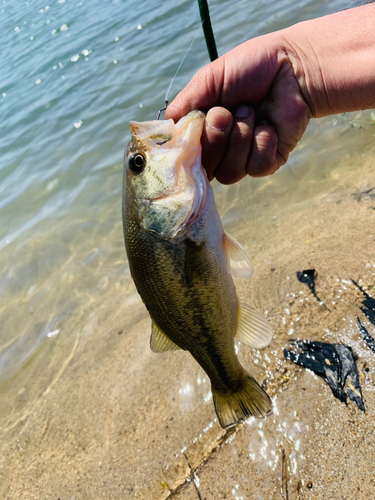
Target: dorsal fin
column 253, row 329
column 238, row 261
column 159, row 341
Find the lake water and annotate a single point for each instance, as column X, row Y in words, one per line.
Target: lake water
column 72, row 75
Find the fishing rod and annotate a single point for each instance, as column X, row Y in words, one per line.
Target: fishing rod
column 207, row 29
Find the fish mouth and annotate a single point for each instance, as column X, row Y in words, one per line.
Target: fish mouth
column 158, row 130
column 178, row 189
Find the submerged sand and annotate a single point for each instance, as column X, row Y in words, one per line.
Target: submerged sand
column 119, row 422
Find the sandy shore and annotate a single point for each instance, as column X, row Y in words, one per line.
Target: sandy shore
column 119, row 422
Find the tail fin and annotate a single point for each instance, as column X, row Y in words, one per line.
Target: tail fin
column 249, row 401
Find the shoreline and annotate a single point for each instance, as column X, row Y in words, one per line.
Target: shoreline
column 117, row 422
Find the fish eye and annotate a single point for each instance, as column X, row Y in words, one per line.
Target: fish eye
column 137, row 163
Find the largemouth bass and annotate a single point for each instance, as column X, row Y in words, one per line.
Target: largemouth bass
column 182, row 262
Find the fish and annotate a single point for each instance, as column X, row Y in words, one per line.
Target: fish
column 182, row 262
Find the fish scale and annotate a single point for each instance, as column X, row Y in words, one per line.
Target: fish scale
column 197, row 331
column 182, row 262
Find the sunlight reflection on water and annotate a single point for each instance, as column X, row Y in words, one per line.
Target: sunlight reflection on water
column 72, row 76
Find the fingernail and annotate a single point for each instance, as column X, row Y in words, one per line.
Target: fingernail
column 218, row 120
column 242, row 111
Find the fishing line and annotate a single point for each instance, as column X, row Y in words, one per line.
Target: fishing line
column 166, row 102
column 210, row 42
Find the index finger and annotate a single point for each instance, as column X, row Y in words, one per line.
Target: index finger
column 241, row 76
column 202, row 92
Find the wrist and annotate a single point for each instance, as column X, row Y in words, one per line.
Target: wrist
column 333, row 60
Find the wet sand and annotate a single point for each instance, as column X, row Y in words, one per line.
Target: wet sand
column 120, row 422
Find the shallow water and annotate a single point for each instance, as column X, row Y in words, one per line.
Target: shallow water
column 73, row 74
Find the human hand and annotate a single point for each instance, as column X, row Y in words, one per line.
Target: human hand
column 256, row 112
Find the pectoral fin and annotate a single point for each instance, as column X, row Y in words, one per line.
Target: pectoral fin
column 159, row 341
column 238, row 261
column 253, row 329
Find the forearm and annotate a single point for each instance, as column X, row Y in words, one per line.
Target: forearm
column 333, row 60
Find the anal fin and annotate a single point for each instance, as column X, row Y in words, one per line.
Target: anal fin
column 253, row 328
column 159, row 341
